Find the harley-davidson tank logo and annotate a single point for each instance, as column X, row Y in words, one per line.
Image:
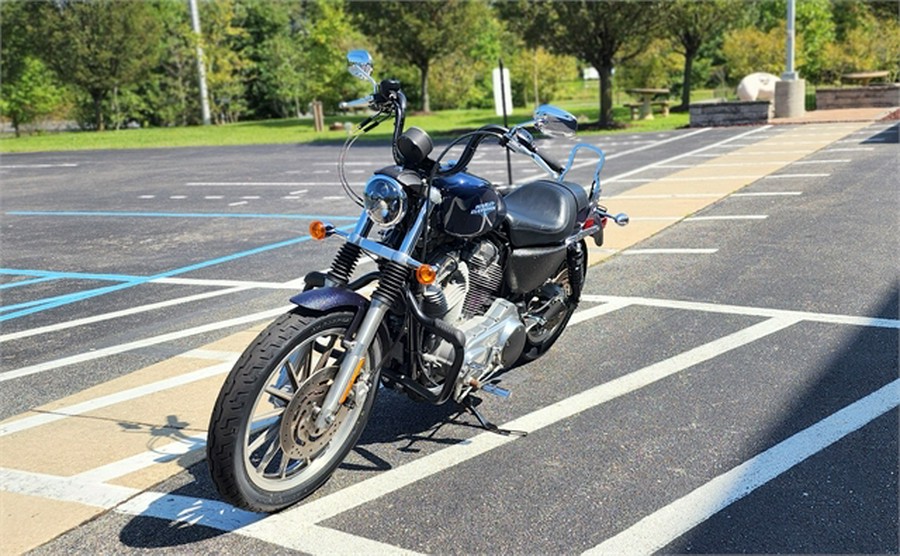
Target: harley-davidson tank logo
column 484, row 209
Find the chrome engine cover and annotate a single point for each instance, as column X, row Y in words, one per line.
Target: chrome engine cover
column 493, row 342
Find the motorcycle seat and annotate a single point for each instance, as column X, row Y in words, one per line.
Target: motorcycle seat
column 543, row 212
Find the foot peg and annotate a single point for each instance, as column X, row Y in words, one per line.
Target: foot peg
column 495, row 390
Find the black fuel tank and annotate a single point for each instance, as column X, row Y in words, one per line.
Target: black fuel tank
column 470, row 205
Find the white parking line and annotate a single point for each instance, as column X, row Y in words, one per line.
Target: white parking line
column 87, row 487
column 649, row 146
column 676, row 251
column 112, row 399
column 789, row 176
column 769, row 194
column 251, row 184
column 279, row 528
column 63, row 488
column 707, row 195
column 741, row 164
column 37, row 166
column 620, row 177
column 727, row 217
column 830, row 318
column 122, row 348
column 667, row 524
column 116, row 314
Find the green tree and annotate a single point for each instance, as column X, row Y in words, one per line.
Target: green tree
column 815, row 28
column 749, row 50
column 690, row 25
column 226, row 59
column 537, row 74
column 868, row 42
column 32, row 95
column 602, row 33
column 465, row 79
column 98, row 46
column 331, row 34
column 171, row 92
column 420, row 33
column 274, row 80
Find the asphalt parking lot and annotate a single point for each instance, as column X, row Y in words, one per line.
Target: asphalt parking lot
column 728, row 385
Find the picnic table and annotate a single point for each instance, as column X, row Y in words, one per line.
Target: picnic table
column 646, row 106
column 863, row 77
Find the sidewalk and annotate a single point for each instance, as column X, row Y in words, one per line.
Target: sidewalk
column 838, row 116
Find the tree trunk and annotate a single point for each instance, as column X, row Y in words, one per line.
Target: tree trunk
column 686, row 86
column 606, row 96
column 98, row 110
column 426, row 102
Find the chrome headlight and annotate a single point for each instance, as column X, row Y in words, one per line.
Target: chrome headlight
column 385, row 200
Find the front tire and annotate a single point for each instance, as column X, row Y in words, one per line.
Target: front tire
column 263, row 451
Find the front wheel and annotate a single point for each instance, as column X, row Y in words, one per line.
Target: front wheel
column 264, row 451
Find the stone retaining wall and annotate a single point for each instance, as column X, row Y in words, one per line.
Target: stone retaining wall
column 873, row 96
column 709, row 114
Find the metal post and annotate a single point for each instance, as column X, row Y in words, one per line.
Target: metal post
column 201, row 65
column 505, row 120
column 789, row 73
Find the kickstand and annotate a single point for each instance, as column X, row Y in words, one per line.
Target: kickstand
column 487, row 425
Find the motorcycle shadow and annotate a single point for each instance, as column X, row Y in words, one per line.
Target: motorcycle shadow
column 397, row 420
column 398, row 425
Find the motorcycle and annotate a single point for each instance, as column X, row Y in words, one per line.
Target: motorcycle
column 472, row 280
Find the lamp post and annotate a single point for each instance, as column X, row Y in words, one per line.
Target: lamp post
column 790, row 74
column 790, row 92
column 201, row 66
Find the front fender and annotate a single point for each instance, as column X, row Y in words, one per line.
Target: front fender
column 323, row 300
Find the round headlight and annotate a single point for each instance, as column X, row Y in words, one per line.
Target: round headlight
column 385, row 200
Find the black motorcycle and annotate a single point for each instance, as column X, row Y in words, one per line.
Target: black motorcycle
column 471, row 281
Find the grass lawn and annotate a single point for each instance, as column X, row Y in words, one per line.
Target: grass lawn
column 447, row 123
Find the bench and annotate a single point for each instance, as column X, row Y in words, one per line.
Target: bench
column 864, row 77
column 636, row 108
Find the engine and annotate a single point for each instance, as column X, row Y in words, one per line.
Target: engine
column 465, row 295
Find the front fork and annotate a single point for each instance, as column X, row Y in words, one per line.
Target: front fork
column 352, row 364
column 394, row 274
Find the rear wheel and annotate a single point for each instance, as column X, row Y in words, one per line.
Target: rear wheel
column 264, row 451
column 558, row 296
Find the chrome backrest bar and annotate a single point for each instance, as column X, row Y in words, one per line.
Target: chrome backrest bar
column 595, row 185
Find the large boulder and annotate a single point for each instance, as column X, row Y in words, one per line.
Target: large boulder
column 757, row 86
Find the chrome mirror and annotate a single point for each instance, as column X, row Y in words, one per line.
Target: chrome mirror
column 361, row 65
column 554, row 122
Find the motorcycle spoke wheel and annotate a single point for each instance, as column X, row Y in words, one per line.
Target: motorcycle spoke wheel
column 264, row 451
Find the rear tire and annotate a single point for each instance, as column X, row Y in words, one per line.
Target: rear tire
column 262, row 453
column 538, row 344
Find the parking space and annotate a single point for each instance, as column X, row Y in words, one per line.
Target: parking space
column 726, row 370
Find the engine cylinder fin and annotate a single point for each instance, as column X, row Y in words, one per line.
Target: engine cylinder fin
column 485, row 277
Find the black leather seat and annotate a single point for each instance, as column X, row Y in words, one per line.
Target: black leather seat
column 543, row 212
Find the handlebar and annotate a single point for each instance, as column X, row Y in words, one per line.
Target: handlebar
column 365, row 101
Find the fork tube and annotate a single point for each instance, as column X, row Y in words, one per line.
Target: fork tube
column 382, row 300
column 364, row 337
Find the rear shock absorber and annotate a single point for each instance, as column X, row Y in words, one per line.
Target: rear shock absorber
column 576, row 269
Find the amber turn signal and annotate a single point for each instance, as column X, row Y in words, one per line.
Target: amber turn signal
column 426, row 274
column 318, row 230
